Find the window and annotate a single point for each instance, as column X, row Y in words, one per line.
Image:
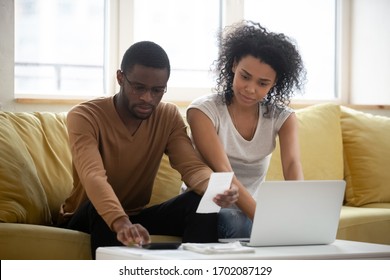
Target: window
column 312, row 24
column 187, row 31
column 71, row 49
column 60, row 47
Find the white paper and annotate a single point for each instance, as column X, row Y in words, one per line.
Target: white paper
column 226, row 248
column 219, row 182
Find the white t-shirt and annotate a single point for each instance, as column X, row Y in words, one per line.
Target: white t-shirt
column 249, row 159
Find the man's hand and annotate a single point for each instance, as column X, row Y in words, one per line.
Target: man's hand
column 228, row 198
column 129, row 233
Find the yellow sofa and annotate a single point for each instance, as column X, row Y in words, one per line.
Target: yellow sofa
column 35, row 177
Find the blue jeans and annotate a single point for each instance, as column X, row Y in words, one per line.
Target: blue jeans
column 232, row 223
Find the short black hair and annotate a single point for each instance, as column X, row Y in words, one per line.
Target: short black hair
column 145, row 53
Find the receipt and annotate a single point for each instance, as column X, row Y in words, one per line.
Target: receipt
column 219, row 182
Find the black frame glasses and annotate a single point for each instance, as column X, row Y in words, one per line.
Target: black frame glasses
column 140, row 89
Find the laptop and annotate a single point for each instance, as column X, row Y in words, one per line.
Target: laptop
column 296, row 213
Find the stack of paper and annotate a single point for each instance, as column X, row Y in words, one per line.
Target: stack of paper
column 224, row 248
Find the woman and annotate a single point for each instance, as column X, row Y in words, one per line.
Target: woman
column 235, row 129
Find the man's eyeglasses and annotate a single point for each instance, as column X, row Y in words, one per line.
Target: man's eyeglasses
column 140, row 89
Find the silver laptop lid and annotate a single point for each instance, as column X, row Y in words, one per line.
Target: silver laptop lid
column 297, row 213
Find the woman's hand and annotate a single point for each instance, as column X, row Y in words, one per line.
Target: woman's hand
column 228, row 198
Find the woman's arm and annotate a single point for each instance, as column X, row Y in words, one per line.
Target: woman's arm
column 211, row 150
column 289, row 149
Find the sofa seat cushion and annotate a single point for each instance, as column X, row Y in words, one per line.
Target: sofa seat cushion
column 321, row 144
column 376, row 205
column 165, row 238
column 35, row 242
column 367, row 157
column 365, row 224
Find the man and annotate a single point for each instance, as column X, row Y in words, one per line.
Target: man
column 117, row 143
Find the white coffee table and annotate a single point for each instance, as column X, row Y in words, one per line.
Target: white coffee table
column 340, row 249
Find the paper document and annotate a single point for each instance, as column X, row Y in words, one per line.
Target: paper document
column 226, row 248
column 219, row 182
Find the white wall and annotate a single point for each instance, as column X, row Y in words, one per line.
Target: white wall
column 370, row 56
column 6, row 52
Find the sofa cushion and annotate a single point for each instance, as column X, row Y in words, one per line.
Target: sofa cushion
column 22, row 196
column 167, row 183
column 367, row 157
column 49, row 138
column 35, row 166
column 320, row 141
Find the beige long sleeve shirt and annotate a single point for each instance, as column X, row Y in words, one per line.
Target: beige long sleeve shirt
column 115, row 169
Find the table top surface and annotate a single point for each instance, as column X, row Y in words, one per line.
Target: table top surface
column 340, row 249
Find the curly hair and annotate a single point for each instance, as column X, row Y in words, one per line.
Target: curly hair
column 276, row 50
